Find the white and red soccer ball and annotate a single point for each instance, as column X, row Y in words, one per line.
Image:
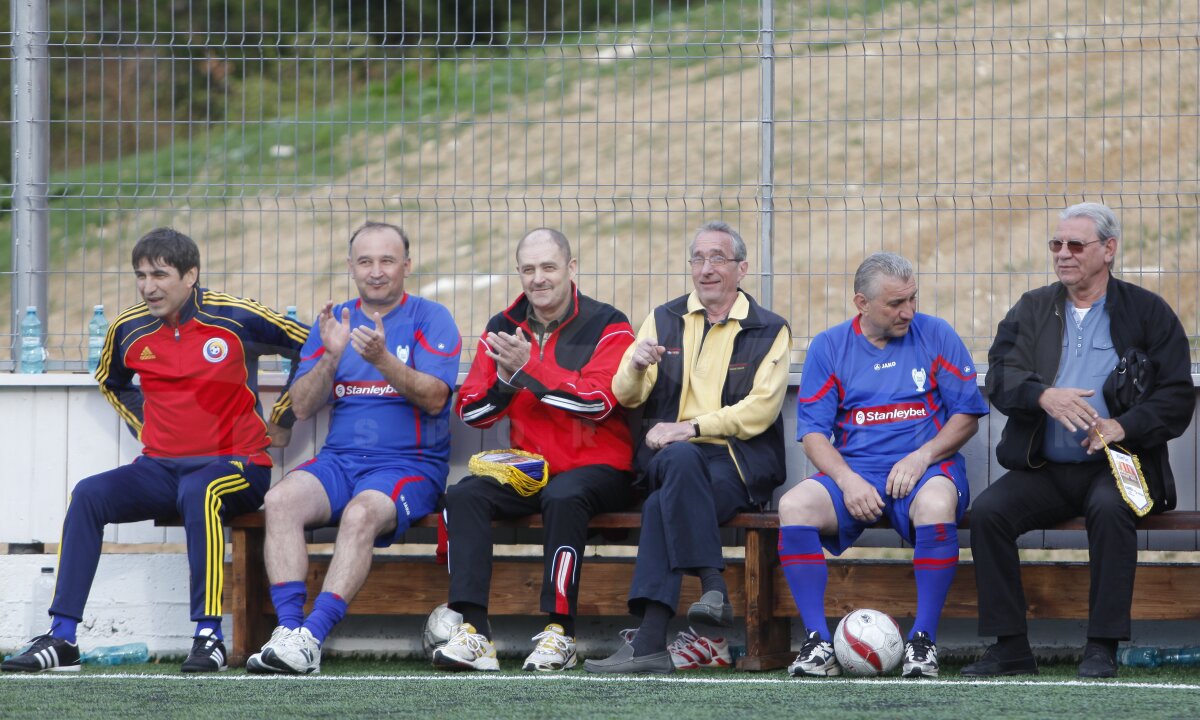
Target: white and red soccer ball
column 868, row 643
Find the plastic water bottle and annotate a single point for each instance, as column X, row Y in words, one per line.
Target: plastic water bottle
column 97, row 329
column 33, row 355
column 130, row 654
column 39, row 605
column 285, row 364
column 1189, row 655
column 1142, row 657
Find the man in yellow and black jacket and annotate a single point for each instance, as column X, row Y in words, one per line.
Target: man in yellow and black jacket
column 710, row 370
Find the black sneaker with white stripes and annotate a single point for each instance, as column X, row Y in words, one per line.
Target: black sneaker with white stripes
column 44, row 652
column 207, row 655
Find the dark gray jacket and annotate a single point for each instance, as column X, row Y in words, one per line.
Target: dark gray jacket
column 1023, row 362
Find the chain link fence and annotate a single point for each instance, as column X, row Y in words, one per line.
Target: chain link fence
column 951, row 132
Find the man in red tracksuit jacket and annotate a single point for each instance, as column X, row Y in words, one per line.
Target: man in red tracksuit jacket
column 546, row 363
column 198, row 417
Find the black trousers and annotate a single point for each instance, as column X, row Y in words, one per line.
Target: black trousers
column 695, row 487
column 567, row 504
column 1024, row 500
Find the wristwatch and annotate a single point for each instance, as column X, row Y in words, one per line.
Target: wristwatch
column 695, row 429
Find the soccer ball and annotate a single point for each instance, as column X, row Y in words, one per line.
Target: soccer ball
column 868, row 643
column 439, row 627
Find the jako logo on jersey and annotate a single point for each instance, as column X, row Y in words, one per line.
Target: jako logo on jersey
column 357, row 389
column 890, row 414
column 884, row 366
column 215, row 350
column 919, row 376
column 402, row 353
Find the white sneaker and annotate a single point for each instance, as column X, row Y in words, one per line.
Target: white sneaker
column 816, row 658
column 691, row 651
column 466, row 650
column 554, row 651
column 255, row 663
column 296, row 653
column 920, row 657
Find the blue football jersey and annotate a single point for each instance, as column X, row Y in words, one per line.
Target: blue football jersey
column 879, row 404
column 369, row 416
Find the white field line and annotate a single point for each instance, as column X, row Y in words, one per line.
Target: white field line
column 490, row 678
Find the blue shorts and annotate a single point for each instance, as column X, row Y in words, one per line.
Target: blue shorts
column 344, row 476
column 896, row 511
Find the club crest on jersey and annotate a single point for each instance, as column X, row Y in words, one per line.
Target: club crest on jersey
column 402, row 353
column 216, row 350
column 919, row 376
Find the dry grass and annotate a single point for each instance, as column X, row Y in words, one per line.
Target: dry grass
column 952, row 141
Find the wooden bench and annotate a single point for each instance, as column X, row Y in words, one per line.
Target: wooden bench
column 758, row 591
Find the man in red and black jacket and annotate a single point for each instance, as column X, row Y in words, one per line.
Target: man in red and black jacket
column 198, row 417
column 546, row 363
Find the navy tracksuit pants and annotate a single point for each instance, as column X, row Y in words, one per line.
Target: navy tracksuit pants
column 203, row 491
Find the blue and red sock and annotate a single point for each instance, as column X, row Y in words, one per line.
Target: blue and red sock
column 328, row 610
column 288, row 599
column 803, row 561
column 935, row 561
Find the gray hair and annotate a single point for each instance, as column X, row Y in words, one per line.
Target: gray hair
column 1102, row 216
column 866, row 278
column 564, row 246
column 720, row 226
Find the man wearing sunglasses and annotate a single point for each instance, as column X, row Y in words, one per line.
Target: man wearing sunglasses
column 1048, row 365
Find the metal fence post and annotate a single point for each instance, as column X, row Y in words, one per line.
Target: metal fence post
column 767, row 129
column 30, row 161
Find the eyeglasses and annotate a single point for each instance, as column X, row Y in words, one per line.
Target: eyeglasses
column 1075, row 246
column 716, row 261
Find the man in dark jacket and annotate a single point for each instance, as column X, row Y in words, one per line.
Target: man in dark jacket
column 1048, row 368
column 546, row 365
column 709, row 370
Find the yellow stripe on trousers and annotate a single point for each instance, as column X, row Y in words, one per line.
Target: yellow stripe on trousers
column 214, row 576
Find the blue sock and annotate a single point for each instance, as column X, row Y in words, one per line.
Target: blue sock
column 288, row 599
column 63, row 628
column 935, row 560
column 328, row 610
column 803, row 562
column 212, row 626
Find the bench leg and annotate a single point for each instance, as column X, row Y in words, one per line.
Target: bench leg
column 249, row 588
column 768, row 638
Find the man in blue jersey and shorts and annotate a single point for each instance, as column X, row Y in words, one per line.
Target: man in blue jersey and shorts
column 886, row 400
column 387, row 362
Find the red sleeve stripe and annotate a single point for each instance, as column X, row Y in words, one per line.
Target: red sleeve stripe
column 425, row 344
column 320, row 351
column 829, row 383
column 941, row 362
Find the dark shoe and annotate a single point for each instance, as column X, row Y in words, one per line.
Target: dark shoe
column 816, row 658
column 711, row 609
column 993, row 665
column 1097, row 662
column 44, row 652
column 207, row 655
column 623, row 661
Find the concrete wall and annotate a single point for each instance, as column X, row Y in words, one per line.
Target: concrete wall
column 58, row 430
